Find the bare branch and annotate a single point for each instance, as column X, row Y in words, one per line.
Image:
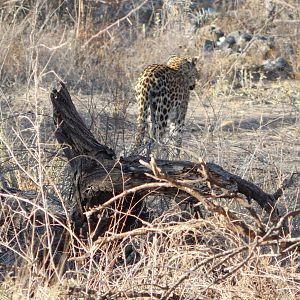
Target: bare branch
column 116, row 23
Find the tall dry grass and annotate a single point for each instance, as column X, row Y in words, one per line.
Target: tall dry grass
column 46, row 41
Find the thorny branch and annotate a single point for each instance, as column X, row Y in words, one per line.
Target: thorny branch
column 116, row 23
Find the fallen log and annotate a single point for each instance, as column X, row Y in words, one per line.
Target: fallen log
column 101, row 182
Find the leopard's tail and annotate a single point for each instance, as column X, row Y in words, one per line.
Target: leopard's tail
column 142, row 116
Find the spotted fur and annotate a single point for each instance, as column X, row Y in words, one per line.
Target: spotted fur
column 163, row 93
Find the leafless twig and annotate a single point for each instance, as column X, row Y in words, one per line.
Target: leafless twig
column 116, row 23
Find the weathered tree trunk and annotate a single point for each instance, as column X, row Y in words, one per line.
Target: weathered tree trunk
column 99, row 177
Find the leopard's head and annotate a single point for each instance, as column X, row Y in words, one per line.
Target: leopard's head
column 187, row 66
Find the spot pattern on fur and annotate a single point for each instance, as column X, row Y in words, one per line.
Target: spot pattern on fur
column 163, row 92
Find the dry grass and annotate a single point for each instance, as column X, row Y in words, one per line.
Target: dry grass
column 252, row 131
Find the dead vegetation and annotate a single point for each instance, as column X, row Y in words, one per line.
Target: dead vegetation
column 205, row 240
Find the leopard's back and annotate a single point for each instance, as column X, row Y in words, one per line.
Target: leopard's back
column 162, row 93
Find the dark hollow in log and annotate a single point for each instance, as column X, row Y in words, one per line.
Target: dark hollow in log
column 99, row 176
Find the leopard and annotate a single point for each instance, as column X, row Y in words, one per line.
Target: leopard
column 163, row 94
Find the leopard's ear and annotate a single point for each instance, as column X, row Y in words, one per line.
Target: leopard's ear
column 173, row 56
column 194, row 60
